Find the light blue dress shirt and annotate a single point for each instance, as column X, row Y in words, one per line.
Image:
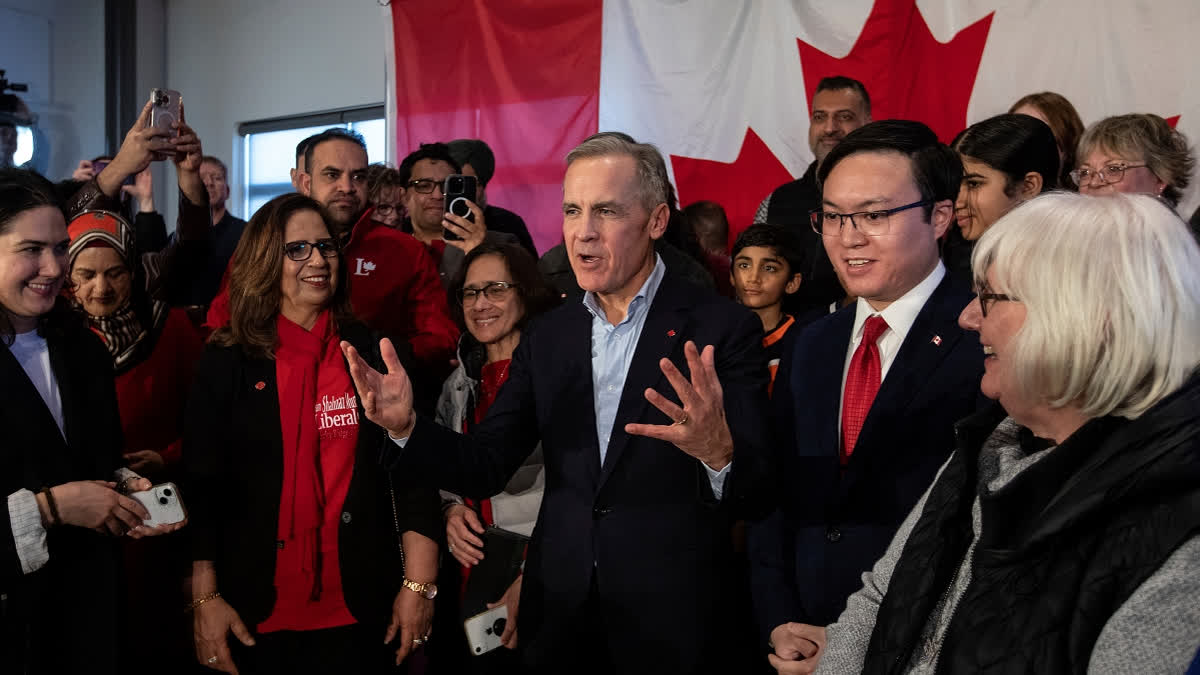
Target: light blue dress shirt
column 612, row 353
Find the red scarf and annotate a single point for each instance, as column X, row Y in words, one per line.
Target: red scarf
column 298, row 357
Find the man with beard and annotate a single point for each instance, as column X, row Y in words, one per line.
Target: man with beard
column 840, row 105
column 394, row 286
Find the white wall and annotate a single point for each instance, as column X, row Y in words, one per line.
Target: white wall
column 240, row 61
column 57, row 46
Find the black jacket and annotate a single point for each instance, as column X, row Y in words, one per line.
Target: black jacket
column 63, row 617
column 1063, row 546
column 233, row 460
column 632, row 554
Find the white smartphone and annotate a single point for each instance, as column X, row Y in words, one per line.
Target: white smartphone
column 484, row 629
column 164, row 504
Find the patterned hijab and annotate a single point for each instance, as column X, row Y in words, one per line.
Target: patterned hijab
column 124, row 331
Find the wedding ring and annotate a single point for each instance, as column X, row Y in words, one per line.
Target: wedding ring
column 212, row 659
column 450, row 547
column 418, row 641
column 682, row 421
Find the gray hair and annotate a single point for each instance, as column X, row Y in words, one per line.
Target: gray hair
column 1149, row 138
column 651, row 169
column 1111, row 289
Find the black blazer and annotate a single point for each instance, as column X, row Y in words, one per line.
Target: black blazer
column 69, row 605
column 233, row 463
column 808, row 557
column 639, row 545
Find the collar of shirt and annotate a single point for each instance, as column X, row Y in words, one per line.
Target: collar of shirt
column 637, row 306
column 900, row 316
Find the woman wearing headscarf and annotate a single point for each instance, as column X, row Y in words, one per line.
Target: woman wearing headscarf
column 296, row 523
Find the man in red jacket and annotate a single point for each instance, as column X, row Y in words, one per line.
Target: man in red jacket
column 394, row 285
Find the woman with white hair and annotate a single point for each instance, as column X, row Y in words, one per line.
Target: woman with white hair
column 1063, row 535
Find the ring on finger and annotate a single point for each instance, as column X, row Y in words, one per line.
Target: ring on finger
column 212, row 659
column 450, row 547
column 681, row 422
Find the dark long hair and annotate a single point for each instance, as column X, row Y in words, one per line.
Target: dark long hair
column 537, row 296
column 1013, row 145
column 256, row 274
column 22, row 190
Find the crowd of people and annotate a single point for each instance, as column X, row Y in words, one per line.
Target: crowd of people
column 936, row 410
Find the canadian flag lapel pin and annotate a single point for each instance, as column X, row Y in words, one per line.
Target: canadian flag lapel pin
column 937, row 340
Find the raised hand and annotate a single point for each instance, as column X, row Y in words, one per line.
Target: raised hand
column 471, row 234
column 700, row 428
column 142, row 145
column 387, row 399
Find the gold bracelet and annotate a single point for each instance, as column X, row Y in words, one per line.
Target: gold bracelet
column 201, row 600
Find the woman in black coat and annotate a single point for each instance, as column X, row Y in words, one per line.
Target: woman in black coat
column 295, row 523
column 61, row 454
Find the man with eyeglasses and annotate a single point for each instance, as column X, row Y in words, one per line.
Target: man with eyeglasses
column 423, row 174
column 864, row 407
column 394, row 285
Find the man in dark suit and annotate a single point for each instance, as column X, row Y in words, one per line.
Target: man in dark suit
column 651, row 443
column 864, row 409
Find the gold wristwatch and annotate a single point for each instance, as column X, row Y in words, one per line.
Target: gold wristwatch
column 427, row 591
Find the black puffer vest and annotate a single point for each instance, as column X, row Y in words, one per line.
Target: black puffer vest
column 1062, row 547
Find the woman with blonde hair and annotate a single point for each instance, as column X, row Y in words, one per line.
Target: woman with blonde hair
column 1063, row 535
column 1136, row 154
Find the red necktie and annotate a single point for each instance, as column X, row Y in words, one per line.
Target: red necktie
column 862, row 383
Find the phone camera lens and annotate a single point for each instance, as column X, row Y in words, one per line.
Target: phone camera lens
column 167, row 492
column 164, row 501
column 498, row 626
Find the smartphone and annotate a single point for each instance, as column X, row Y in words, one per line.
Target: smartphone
column 164, row 504
column 164, row 112
column 457, row 190
column 484, row 629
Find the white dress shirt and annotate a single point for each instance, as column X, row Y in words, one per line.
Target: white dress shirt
column 900, row 316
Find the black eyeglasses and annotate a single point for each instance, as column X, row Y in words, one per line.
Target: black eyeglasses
column 302, row 250
column 869, row 223
column 425, row 185
column 494, row 291
column 987, row 298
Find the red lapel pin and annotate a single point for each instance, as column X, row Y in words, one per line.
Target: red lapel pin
column 937, row 340
column 671, row 333
column 260, row 385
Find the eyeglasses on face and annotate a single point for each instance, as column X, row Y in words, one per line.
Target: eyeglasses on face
column 869, row 223
column 386, row 209
column 302, row 250
column 426, row 185
column 1109, row 175
column 494, row 291
column 987, row 299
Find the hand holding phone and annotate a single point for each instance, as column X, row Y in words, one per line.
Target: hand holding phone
column 484, row 629
column 164, row 504
column 164, row 113
column 458, row 189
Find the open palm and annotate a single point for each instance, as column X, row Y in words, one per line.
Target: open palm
column 387, row 399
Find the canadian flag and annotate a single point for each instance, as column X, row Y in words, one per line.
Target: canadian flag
column 722, row 86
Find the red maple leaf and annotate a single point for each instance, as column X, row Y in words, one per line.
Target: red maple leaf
column 1173, row 121
column 738, row 186
column 907, row 72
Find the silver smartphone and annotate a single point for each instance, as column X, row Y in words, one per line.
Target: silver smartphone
column 164, row 504
column 484, row 629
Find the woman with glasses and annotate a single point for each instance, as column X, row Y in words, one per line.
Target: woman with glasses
column 1138, row 153
column 1063, row 534
column 497, row 293
column 296, row 524
column 1007, row 159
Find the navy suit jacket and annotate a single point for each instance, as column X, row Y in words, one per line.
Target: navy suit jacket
column 632, row 556
column 831, row 524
